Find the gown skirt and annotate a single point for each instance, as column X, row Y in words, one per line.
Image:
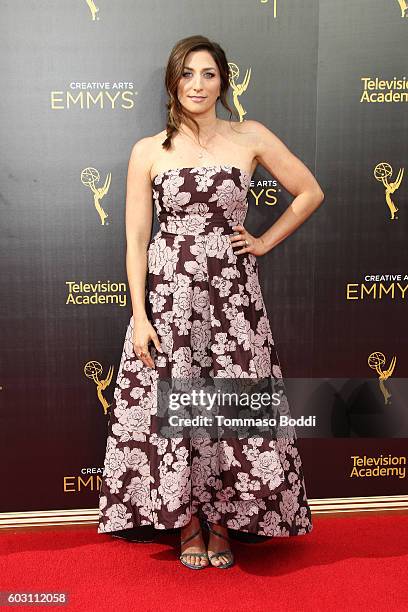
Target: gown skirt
column 206, row 305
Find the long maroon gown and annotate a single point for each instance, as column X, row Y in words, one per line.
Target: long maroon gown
column 206, row 305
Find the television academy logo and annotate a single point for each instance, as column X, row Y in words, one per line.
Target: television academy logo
column 92, row 293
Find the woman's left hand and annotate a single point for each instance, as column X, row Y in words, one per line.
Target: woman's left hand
column 249, row 243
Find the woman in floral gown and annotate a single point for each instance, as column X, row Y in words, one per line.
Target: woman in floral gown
column 197, row 299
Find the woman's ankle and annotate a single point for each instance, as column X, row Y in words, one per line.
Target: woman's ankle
column 194, row 522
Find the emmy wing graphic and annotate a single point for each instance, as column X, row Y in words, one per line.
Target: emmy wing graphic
column 381, row 172
column 90, row 176
column 238, row 88
column 403, row 6
column 376, row 361
column 92, row 370
column 93, row 8
column 275, row 6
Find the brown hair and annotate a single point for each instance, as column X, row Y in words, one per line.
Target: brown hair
column 175, row 112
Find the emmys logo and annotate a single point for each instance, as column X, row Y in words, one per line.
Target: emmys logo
column 93, row 8
column 404, row 7
column 264, row 192
column 93, row 370
column 376, row 362
column 381, row 172
column 88, row 480
column 86, row 95
column 238, row 88
column 378, row 286
column 275, row 7
column 90, row 176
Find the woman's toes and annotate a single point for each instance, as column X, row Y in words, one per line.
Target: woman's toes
column 220, row 560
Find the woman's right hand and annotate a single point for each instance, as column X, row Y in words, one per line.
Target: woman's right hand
column 143, row 333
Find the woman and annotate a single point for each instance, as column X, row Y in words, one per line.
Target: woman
column 203, row 312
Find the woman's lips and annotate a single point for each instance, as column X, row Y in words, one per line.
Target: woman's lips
column 196, row 98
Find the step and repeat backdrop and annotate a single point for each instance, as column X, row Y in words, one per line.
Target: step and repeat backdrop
column 81, row 83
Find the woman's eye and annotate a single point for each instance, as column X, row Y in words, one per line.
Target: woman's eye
column 188, row 73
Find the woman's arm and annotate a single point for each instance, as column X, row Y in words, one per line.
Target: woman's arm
column 139, row 214
column 295, row 177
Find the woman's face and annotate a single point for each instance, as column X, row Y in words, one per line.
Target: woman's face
column 200, row 82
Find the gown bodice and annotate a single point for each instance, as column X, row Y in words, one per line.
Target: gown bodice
column 192, row 200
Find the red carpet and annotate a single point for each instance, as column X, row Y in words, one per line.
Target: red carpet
column 345, row 563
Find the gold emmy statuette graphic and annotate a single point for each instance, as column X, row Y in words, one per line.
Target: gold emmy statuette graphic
column 90, row 176
column 93, row 8
column 92, row 370
column 275, row 2
column 403, row 6
column 381, row 172
column 376, row 361
column 238, row 88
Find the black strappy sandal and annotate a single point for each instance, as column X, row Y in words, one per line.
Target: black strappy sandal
column 193, row 554
column 221, row 553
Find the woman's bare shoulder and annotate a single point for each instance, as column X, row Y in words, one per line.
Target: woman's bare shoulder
column 146, row 149
column 249, row 131
column 248, row 127
column 147, row 144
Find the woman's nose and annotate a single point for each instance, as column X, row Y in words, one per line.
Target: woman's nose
column 197, row 84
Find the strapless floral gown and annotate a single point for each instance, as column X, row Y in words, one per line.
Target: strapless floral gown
column 206, row 305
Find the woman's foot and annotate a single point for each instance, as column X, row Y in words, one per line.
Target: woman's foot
column 194, row 545
column 217, row 542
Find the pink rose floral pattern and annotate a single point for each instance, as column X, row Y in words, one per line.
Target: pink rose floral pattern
column 206, row 305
